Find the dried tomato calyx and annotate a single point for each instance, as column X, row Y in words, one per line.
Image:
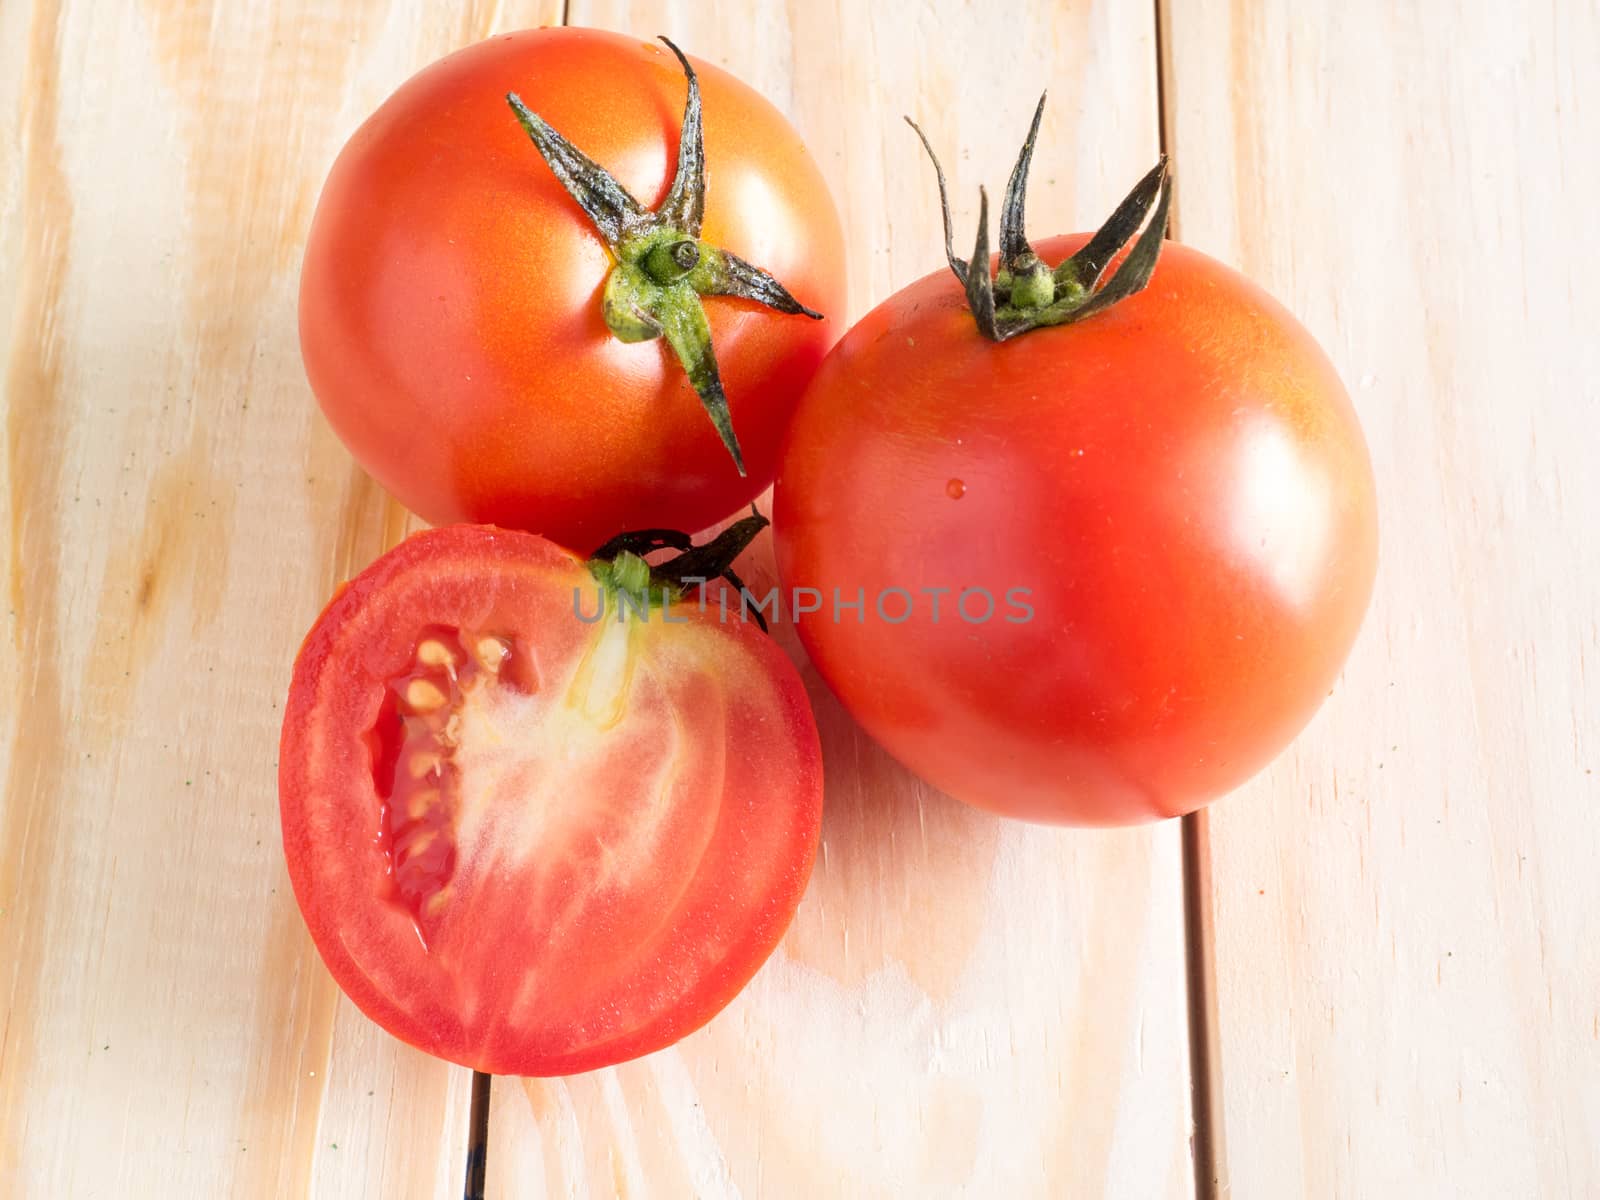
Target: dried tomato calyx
column 1027, row 294
column 662, row 267
column 620, row 564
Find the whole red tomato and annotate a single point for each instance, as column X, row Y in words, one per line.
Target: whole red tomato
column 1110, row 565
column 463, row 316
column 533, row 830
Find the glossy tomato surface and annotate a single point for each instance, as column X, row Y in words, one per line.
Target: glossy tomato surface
column 534, row 845
column 1176, row 495
column 450, row 316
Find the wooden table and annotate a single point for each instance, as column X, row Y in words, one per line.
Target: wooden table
column 1405, row 907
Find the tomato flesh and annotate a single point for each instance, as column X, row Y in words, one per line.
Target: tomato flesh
column 527, row 843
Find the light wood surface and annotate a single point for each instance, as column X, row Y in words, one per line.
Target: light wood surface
column 1407, row 903
column 963, row 1007
column 177, row 513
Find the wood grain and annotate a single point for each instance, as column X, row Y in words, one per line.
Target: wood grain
column 964, row 1006
column 176, row 515
column 1406, row 904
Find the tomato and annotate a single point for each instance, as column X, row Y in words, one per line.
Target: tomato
column 1163, row 513
column 534, row 844
column 458, row 316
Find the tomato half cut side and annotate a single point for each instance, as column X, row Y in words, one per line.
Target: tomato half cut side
column 533, row 843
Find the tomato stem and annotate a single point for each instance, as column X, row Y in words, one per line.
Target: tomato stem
column 663, row 269
column 1025, row 294
column 668, row 262
column 1031, row 284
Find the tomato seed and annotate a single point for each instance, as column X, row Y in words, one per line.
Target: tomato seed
column 424, row 696
column 434, row 653
column 490, row 652
column 420, row 802
column 412, row 847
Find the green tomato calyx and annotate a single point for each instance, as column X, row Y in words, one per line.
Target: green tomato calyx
column 663, row 269
column 1025, row 293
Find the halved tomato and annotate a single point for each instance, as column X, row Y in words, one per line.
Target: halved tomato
column 528, row 840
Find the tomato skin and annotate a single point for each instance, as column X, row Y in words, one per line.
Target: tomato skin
column 450, row 315
column 581, row 928
column 1181, row 483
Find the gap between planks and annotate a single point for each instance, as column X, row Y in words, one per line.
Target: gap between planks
column 1200, row 985
column 478, row 1138
column 1206, row 1101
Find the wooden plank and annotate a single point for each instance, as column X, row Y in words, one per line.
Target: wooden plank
column 178, row 512
column 1406, row 904
column 962, row 1002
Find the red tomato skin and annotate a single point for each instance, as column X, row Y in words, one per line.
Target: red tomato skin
column 450, row 316
column 1180, row 481
column 714, row 931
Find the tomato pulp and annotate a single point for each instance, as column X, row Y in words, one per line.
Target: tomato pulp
column 530, row 843
column 451, row 316
column 1178, row 484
